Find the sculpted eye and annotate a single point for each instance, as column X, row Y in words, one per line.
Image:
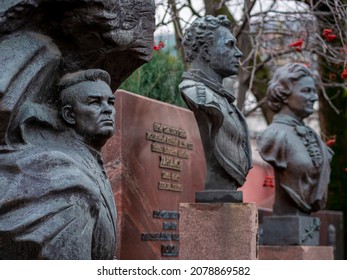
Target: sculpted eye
column 306, row 90
column 93, row 101
column 111, row 102
column 230, row 43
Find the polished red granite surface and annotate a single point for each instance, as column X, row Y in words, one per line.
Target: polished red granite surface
column 154, row 162
column 218, row 231
column 296, row 253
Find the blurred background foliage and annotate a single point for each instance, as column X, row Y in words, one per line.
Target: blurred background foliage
column 159, row 78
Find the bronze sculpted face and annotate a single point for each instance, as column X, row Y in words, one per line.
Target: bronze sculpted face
column 89, row 108
column 300, row 102
column 211, row 47
column 292, row 91
column 223, row 54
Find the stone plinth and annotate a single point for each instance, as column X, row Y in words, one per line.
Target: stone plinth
column 291, row 230
column 221, row 196
column 296, row 253
column 154, row 161
column 218, row 231
column 330, row 230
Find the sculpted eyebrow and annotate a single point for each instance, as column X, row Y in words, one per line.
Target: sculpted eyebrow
column 94, row 96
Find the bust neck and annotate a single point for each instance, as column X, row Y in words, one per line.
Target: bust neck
column 205, row 67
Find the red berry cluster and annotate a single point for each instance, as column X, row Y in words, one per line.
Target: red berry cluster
column 159, row 46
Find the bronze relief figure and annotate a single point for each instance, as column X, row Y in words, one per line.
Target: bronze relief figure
column 56, row 112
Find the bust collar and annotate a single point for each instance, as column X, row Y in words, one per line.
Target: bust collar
column 199, row 76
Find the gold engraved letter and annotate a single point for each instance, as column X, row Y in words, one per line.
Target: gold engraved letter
column 158, row 127
column 175, row 177
column 170, row 130
column 176, row 187
column 182, row 144
column 164, row 185
column 170, row 151
column 157, row 148
column 183, row 154
column 155, row 137
column 170, row 187
column 182, row 133
column 171, row 141
column 170, row 163
column 166, row 175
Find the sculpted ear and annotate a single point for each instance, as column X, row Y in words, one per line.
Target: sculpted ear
column 205, row 53
column 68, row 114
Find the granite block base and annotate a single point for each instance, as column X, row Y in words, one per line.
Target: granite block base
column 219, row 196
column 296, row 253
column 291, row 230
column 218, row 231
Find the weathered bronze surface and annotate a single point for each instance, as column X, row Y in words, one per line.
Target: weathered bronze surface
column 55, row 199
column 299, row 157
column 211, row 51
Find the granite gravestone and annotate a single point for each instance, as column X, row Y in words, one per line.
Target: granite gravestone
column 211, row 50
column 55, row 198
column 154, row 162
column 300, row 159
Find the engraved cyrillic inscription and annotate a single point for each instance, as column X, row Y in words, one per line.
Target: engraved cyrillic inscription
column 157, row 148
column 166, row 175
column 163, row 214
column 158, row 127
column 182, row 144
column 170, row 151
column 161, row 138
column 174, row 131
column 175, row 176
column 168, row 250
column 169, row 226
column 170, row 163
column 160, row 236
column 175, row 187
column 170, row 176
column 171, row 141
column 164, row 185
column 183, row 154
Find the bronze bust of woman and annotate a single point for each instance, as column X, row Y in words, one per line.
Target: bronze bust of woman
column 299, row 157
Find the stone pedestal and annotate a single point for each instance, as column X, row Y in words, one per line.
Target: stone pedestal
column 296, row 253
column 218, row 231
column 291, row 230
column 221, row 196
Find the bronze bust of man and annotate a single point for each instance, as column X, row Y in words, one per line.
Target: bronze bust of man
column 211, row 50
column 59, row 204
column 299, row 157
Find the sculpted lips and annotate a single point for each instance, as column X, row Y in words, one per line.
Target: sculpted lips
column 107, row 122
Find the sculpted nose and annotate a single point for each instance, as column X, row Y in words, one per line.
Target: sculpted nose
column 238, row 53
column 106, row 108
column 314, row 97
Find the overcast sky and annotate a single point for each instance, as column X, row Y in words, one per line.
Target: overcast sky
column 235, row 7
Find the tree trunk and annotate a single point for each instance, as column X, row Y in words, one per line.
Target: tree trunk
column 178, row 31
